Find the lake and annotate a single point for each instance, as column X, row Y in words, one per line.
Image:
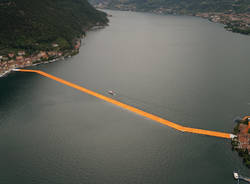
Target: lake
column 184, row 69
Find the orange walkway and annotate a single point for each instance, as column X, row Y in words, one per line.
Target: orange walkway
column 133, row 109
column 246, row 117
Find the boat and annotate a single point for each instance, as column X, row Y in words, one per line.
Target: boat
column 239, row 177
column 236, row 175
column 111, row 92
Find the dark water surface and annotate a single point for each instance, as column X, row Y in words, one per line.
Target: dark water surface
column 184, row 69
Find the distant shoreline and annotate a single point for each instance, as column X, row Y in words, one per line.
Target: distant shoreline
column 236, row 23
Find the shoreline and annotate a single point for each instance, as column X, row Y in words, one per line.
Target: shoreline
column 230, row 22
column 5, row 73
column 34, row 64
column 67, row 54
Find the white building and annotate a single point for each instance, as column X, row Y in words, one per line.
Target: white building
column 55, row 45
column 21, row 53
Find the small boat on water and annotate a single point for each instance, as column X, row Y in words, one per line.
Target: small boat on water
column 239, row 177
column 236, row 175
column 111, row 93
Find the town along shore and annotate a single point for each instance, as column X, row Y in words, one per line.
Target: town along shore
column 241, row 143
column 21, row 59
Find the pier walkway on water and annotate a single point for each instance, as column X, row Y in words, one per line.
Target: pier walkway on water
column 133, row 109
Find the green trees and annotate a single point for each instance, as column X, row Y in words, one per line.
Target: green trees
column 32, row 25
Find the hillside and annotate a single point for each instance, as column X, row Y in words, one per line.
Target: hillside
column 31, row 25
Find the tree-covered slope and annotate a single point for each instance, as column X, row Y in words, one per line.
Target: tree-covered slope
column 35, row 24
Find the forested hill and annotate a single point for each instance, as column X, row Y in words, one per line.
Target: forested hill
column 34, row 24
column 178, row 6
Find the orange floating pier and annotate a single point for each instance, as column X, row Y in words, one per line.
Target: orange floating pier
column 133, row 109
column 246, row 117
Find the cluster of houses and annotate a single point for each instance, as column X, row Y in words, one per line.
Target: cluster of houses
column 244, row 136
column 20, row 59
column 241, row 20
